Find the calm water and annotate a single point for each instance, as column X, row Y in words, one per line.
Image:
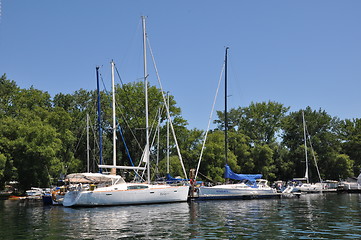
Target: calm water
column 327, row 216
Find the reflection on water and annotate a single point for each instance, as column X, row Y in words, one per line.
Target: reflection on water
column 326, row 216
column 143, row 221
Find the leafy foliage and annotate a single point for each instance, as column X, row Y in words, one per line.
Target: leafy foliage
column 42, row 139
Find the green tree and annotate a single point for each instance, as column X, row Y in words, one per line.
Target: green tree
column 321, row 131
column 33, row 146
column 62, row 122
column 350, row 135
column 3, row 161
column 284, row 167
column 340, row 167
column 239, row 145
column 190, row 143
column 70, row 114
column 264, row 163
column 256, row 127
column 261, row 122
column 28, row 141
column 8, row 93
column 213, row 161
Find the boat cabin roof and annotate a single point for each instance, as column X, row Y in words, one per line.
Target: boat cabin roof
column 93, row 178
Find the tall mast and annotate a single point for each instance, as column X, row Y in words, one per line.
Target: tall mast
column 158, row 139
column 99, row 125
column 87, row 143
column 168, row 134
column 113, row 171
column 146, row 99
column 305, row 141
column 225, row 108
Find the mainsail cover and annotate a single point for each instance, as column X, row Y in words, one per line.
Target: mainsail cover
column 168, row 177
column 230, row 174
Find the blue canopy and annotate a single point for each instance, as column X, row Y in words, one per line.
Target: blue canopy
column 169, row 178
column 230, row 174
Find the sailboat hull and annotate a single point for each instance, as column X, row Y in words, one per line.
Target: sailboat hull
column 315, row 188
column 126, row 194
column 235, row 191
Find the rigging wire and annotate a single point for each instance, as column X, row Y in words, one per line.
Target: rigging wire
column 121, row 133
column 134, row 39
column 101, row 78
column 313, row 154
column 132, row 132
column 167, row 108
column 156, row 122
column 81, row 136
column 120, row 110
column 124, row 88
column 127, row 123
column 123, row 139
column 211, row 180
column 209, row 121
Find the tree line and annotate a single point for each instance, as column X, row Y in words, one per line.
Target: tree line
column 43, row 138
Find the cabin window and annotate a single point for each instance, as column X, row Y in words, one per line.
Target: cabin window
column 137, row 187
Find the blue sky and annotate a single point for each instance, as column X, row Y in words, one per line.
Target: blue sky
column 298, row 53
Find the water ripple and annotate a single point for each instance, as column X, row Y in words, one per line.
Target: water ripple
column 328, row 216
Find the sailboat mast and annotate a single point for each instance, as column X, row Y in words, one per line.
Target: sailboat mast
column 99, row 125
column 87, row 143
column 114, row 122
column 158, row 139
column 167, row 134
column 225, row 109
column 305, row 142
column 146, row 99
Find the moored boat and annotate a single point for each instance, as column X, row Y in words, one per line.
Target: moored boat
column 34, row 193
column 351, row 185
column 303, row 184
column 119, row 192
column 126, row 194
column 252, row 186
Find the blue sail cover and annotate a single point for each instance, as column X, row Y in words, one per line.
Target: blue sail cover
column 169, row 178
column 230, row 174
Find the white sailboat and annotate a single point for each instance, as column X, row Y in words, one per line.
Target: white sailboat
column 351, row 185
column 252, row 186
column 121, row 192
column 304, row 183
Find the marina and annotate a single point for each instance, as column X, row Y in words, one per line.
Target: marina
column 129, row 156
column 92, row 188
